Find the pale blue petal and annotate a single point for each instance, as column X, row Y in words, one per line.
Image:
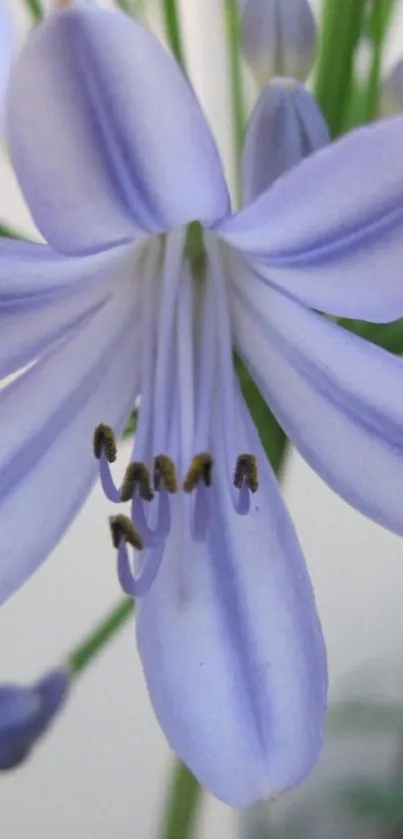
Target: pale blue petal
column 43, row 295
column 106, row 135
column 278, row 38
column 32, row 273
column 286, row 126
column 339, row 398
column 330, row 233
column 47, row 417
column 232, row 648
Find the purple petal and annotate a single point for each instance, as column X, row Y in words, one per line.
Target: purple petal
column 278, row 38
column 32, row 273
column 286, row 126
column 46, row 460
column 107, row 137
column 330, row 233
column 44, row 296
column 339, row 398
column 231, row 645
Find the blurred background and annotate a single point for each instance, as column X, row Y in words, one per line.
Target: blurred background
column 102, row 771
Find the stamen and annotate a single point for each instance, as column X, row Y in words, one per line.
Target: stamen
column 200, row 470
column 122, row 530
column 246, row 472
column 165, row 474
column 104, row 441
column 136, row 476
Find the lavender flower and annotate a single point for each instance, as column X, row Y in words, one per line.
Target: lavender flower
column 278, row 38
column 6, row 48
column 26, row 714
column 146, row 287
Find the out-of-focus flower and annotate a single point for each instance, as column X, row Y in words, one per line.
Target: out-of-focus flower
column 392, row 91
column 26, row 714
column 7, row 39
column 131, row 298
column 278, row 38
column 285, row 127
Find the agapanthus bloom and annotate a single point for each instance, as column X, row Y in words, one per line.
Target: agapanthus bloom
column 26, row 713
column 147, row 286
column 6, row 48
column 278, row 38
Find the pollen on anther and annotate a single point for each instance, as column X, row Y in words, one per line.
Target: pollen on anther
column 246, row 471
column 200, row 469
column 104, row 441
column 165, row 474
column 123, row 530
column 137, row 477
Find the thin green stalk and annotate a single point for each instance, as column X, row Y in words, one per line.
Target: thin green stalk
column 173, row 30
column 238, row 106
column 183, row 804
column 80, row 658
column 378, row 24
column 342, row 27
column 35, row 9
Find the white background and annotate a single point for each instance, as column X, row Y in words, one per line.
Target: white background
column 102, row 771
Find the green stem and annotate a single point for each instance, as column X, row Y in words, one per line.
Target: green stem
column 379, row 19
column 238, row 106
column 35, row 9
column 184, row 800
column 83, row 655
column 340, row 35
column 173, row 30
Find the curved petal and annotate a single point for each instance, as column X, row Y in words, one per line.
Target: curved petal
column 46, row 461
column 106, row 136
column 231, row 645
column 339, row 398
column 32, row 273
column 330, row 233
column 43, row 296
column 286, row 126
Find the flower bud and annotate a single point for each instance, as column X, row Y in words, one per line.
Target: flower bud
column 278, row 38
column 26, row 713
column 392, row 92
column 286, row 126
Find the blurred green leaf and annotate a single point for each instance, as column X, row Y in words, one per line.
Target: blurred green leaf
column 131, row 425
column 365, row 717
column 272, row 436
column 386, row 335
column 368, row 800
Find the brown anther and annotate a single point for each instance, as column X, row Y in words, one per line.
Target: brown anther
column 137, row 477
column 104, row 441
column 123, row 530
column 164, row 474
column 201, row 469
column 246, row 471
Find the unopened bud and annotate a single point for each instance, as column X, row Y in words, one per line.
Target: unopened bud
column 278, row 38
